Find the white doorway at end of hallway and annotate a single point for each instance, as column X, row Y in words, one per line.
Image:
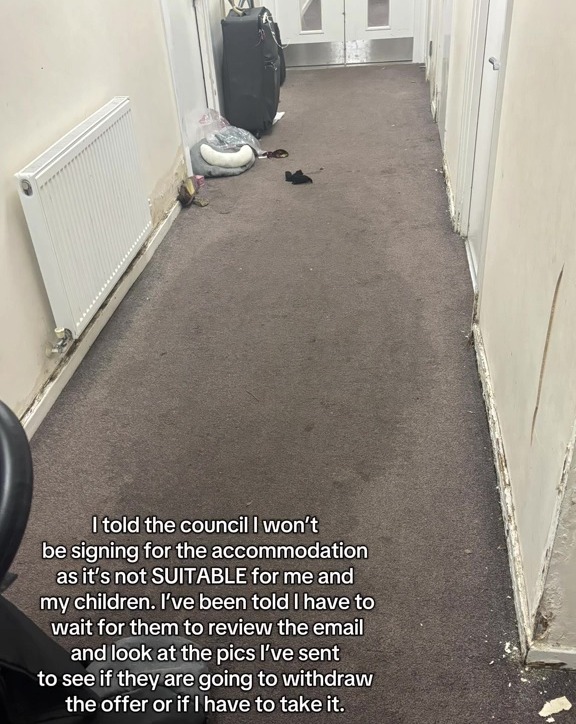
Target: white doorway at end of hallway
column 349, row 32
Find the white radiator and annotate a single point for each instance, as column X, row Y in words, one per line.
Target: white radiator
column 87, row 212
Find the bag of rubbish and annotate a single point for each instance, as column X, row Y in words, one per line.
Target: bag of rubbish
column 232, row 138
column 225, row 137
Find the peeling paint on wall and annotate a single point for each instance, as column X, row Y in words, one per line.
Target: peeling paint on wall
column 506, row 500
column 550, row 589
column 166, row 190
column 557, row 585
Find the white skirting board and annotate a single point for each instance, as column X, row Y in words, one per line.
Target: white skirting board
column 450, row 194
column 506, row 500
column 455, row 226
column 557, row 658
column 534, row 653
column 38, row 410
column 471, row 266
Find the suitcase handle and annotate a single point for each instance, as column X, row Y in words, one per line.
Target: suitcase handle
column 237, row 8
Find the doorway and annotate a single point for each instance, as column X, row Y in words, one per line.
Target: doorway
column 486, row 131
column 346, row 32
column 190, row 75
column 443, row 67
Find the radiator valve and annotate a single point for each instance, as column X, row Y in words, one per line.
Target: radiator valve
column 64, row 339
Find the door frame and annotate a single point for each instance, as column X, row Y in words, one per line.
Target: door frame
column 471, row 111
column 202, row 10
column 421, row 14
column 434, row 54
column 495, row 143
column 176, row 73
column 469, row 129
column 443, row 66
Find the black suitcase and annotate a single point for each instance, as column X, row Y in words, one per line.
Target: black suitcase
column 280, row 53
column 250, row 4
column 251, row 69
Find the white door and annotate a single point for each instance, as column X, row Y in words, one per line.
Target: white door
column 327, row 32
column 379, row 19
column 311, row 21
column 187, row 70
column 313, row 30
column 379, row 30
column 487, row 117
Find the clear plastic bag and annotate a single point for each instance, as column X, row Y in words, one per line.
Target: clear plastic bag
column 224, row 137
column 211, row 121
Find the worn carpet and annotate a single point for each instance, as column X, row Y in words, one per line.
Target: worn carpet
column 302, row 350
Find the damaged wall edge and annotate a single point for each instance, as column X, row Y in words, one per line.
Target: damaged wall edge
column 553, row 532
column 551, row 657
column 456, row 219
column 450, row 194
column 506, row 500
column 49, row 393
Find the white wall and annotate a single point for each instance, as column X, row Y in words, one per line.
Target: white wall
column 528, row 296
column 61, row 61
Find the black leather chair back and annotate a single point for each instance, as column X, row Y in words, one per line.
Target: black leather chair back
column 16, row 484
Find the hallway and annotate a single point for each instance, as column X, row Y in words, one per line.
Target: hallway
column 296, row 350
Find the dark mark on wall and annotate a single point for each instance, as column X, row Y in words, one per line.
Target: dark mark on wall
column 545, row 353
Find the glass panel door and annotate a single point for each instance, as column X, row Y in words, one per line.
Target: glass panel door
column 378, row 13
column 379, row 31
column 313, row 30
column 325, row 32
column 311, row 15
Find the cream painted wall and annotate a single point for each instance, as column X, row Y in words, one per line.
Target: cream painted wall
column 61, row 62
column 528, row 290
column 528, row 296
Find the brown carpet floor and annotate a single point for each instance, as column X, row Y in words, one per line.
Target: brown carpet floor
column 297, row 350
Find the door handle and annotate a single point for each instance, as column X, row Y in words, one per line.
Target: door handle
column 494, row 62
